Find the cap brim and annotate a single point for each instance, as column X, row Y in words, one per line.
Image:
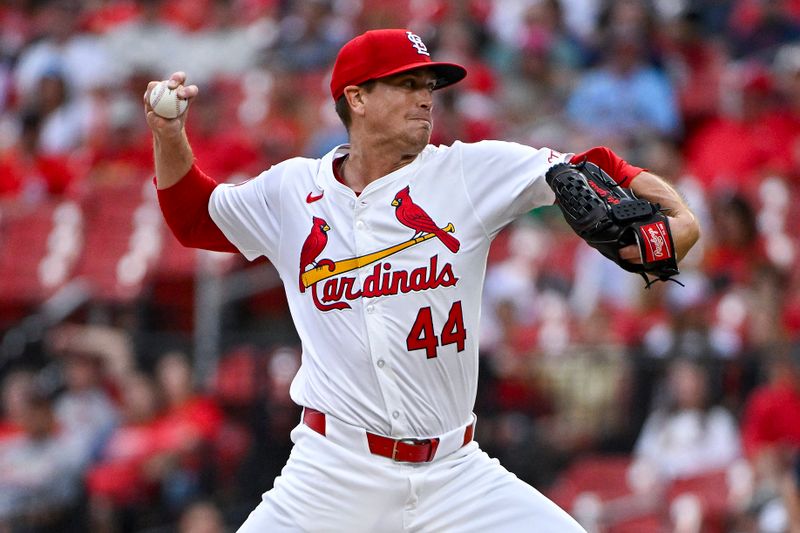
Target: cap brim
column 446, row 73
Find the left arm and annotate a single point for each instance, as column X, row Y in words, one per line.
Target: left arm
column 683, row 223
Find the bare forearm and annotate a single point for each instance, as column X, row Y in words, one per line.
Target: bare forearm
column 173, row 159
column 683, row 223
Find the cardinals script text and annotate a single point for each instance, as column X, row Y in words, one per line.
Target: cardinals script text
column 383, row 281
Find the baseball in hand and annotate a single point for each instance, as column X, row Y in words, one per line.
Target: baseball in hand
column 165, row 101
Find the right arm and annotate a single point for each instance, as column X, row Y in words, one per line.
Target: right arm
column 171, row 150
column 183, row 189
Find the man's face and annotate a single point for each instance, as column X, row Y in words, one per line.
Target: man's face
column 398, row 110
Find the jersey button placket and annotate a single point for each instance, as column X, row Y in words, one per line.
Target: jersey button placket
column 374, row 321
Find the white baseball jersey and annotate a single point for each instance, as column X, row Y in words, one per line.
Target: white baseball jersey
column 385, row 287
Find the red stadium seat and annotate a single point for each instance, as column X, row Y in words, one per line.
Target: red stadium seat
column 651, row 523
column 711, row 490
column 38, row 251
column 123, row 240
column 605, row 477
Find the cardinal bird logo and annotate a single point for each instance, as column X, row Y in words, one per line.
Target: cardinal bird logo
column 411, row 215
column 313, row 246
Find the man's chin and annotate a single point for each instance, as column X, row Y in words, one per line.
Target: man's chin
column 421, row 138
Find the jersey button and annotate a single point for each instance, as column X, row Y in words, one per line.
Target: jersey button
column 370, row 309
column 360, row 224
column 380, row 363
column 396, row 414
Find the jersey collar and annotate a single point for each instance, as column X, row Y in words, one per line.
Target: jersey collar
column 325, row 179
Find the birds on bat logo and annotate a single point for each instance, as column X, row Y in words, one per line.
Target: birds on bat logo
column 383, row 281
column 412, row 215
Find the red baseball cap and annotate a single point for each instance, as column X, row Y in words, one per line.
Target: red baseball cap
column 379, row 53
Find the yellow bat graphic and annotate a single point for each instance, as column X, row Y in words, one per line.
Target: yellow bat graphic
column 320, row 273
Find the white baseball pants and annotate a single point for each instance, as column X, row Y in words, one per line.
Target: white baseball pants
column 327, row 487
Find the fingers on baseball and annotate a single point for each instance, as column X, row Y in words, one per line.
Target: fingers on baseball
column 177, row 78
column 187, row 92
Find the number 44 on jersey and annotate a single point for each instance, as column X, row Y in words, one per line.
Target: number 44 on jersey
column 423, row 333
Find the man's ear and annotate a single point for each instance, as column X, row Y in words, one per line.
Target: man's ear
column 355, row 99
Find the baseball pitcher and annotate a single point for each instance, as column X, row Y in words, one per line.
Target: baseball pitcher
column 382, row 247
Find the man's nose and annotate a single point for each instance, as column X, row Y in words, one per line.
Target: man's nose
column 426, row 99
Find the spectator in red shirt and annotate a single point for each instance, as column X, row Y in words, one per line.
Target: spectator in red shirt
column 736, row 249
column 784, row 123
column 26, row 173
column 225, row 148
column 190, row 417
column 697, row 65
column 512, row 362
column 186, row 432
column 119, row 151
column 729, row 151
column 469, row 114
column 771, row 421
column 120, row 480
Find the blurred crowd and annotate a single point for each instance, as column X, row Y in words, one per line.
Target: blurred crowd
column 675, row 408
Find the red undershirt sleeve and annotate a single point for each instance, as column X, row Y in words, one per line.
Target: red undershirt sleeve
column 185, row 209
column 620, row 170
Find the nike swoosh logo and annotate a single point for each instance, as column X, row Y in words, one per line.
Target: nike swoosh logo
column 311, row 199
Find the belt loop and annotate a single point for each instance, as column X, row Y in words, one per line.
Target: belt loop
column 433, row 448
column 468, row 433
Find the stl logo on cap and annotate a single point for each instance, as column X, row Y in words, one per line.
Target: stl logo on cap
column 416, row 40
column 379, row 53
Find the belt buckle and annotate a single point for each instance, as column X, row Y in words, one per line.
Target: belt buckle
column 413, row 442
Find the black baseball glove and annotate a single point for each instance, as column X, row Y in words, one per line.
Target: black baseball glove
column 609, row 217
